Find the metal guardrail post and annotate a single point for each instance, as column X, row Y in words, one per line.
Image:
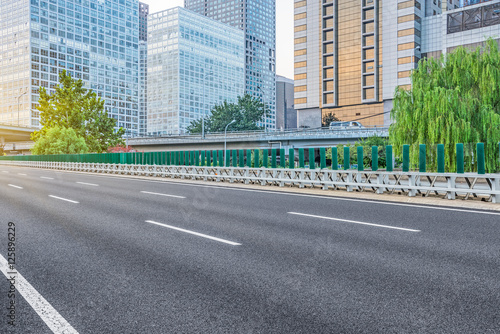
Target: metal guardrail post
column 406, row 158
column 265, row 159
column 422, row 162
column 291, row 158
column 389, row 166
column 335, row 158
column 347, row 158
column 374, row 158
column 440, row 158
column 312, row 163
column 359, row 152
column 302, row 163
column 480, row 158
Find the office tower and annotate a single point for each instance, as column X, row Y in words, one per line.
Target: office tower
column 286, row 115
column 194, row 63
column 143, row 67
column 257, row 18
column 351, row 55
column 93, row 40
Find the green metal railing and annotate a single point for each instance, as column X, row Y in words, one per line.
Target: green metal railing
column 429, row 158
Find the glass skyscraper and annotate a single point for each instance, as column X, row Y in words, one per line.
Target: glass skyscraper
column 93, row 40
column 194, row 63
column 257, row 18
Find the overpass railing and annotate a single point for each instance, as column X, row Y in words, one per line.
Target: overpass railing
column 273, row 167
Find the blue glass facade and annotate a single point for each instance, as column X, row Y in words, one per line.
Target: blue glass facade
column 194, row 63
column 257, row 18
column 93, row 40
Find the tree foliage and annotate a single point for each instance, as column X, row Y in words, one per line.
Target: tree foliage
column 247, row 112
column 72, row 106
column 60, row 140
column 328, row 118
column 454, row 99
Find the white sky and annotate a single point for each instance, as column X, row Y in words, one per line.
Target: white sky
column 284, row 31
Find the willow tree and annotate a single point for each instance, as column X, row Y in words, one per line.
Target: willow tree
column 454, row 99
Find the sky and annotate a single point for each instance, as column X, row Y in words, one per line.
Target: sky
column 284, row 31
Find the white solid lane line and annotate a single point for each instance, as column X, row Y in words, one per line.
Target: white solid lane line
column 232, row 243
column 14, row 186
column 49, row 315
column 167, row 195
column 46, row 177
column 354, row 222
column 63, row 199
column 88, row 184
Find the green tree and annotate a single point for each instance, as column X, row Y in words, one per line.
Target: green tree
column 328, row 118
column 454, row 99
column 247, row 112
column 59, row 140
column 72, row 106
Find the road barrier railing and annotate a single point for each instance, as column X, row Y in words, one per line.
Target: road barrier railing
column 465, row 186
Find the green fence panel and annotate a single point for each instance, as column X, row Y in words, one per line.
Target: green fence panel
column 347, row 158
column 228, row 159
column 203, row 160
column 291, row 158
column 312, row 164
column 360, row 154
column 440, row 158
column 234, row 158
column 214, row 157
column 322, row 157
column 302, row 163
column 374, row 158
column 480, row 158
column 256, row 158
column 209, row 158
column 249, row 158
column 221, row 158
column 406, row 158
column 389, row 160
column 241, row 156
column 422, row 161
column 282, row 158
column 273, row 158
column 335, row 159
column 265, row 159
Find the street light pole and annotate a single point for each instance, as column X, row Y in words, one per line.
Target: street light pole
column 225, row 131
column 18, row 106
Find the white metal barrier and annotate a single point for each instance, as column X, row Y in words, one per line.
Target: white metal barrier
column 447, row 185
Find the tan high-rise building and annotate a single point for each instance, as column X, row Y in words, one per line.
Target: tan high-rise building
column 351, row 55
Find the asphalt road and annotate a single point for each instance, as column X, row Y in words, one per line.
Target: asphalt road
column 106, row 254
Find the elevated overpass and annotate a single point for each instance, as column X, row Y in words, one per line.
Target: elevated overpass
column 16, row 139
column 258, row 139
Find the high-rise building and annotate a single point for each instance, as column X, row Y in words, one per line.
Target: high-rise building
column 257, row 18
column 93, row 40
column 194, row 63
column 351, row 55
column 143, row 67
column 286, row 115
